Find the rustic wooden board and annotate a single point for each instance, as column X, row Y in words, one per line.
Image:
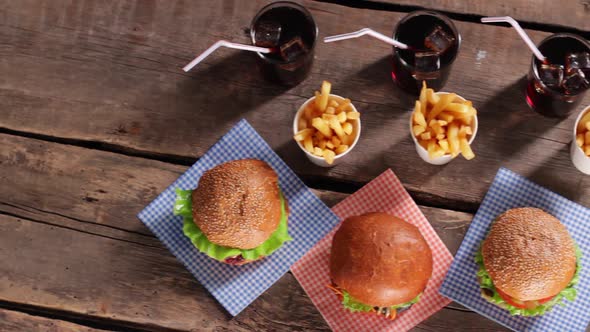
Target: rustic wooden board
column 17, row 321
column 109, row 73
column 569, row 14
column 113, row 269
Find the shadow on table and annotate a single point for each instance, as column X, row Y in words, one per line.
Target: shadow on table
column 225, row 91
column 519, row 121
column 560, row 158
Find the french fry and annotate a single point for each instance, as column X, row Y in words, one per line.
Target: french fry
column 344, row 106
column 422, row 98
column 587, row 138
column 453, row 138
column 466, row 149
column 440, row 137
column 341, row 117
column 582, row 123
column 330, row 145
column 335, row 125
column 463, row 131
column 319, row 124
column 336, row 141
column 442, row 123
column 308, row 144
column 588, row 125
column 587, row 150
column 318, row 151
column 425, row 136
column 353, row 115
column 322, row 101
column 444, row 144
column 341, row 149
column 446, row 117
column 333, row 103
column 301, row 123
column 418, row 115
column 327, row 116
column 302, row 134
column 444, row 101
column 432, row 97
column 329, row 156
column 457, row 108
column 580, row 140
column 322, row 144
column 347, row 127
column 330, row 110
column 418, row 129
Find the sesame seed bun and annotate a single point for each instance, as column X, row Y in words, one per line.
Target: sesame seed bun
column 380, row 260
column 237, row 204
column 529, row 254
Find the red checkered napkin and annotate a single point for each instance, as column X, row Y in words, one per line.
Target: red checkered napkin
column 384, row 194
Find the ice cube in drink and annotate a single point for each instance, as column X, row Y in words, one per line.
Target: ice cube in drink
column 579, row 60
column 292, row 49
column 267, row 34
column 426, row 65
column 438, row 40
column 551, row 74
column 574, row 81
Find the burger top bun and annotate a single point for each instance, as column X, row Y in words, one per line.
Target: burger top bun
column 237, row 203
column 529, row 254
column 380, row 260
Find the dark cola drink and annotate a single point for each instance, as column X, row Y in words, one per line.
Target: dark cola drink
column 557, row 86
column 433, row 42
column 290, row 31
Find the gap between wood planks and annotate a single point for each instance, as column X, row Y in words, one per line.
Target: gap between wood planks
column 473, row 18
column 315, row 182
column 80, row 319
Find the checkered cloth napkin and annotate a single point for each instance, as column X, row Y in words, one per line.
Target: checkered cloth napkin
column 510, row 190
column 384, row 194
column 235, row 287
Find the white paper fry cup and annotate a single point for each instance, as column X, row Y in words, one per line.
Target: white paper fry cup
column 445, row 159
column 320, row 161
column 579, row 159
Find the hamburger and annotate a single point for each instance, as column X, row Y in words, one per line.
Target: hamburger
column 379, row 264
column 237, row 214
column 528, row 262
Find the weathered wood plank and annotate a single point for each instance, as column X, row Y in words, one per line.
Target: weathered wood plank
column 55, row 258
column 570, row 14
column 18, row 321
column 110, row 72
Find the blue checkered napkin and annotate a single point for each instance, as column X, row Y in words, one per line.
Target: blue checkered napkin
column 235, row 287
column 510, row 190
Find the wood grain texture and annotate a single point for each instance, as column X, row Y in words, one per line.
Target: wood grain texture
column 109, row 72
column 570, row 14
column 113, row 269
column 13, row 321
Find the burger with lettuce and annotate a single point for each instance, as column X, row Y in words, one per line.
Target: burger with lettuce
column 237, row 214
column 379, row 264
column 528, row 263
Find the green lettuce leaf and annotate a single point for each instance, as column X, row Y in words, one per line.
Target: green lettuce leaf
column 354, row 305
column 485, row 281
column 183, row 207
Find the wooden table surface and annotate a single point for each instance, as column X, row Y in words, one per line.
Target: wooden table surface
column 96, row 119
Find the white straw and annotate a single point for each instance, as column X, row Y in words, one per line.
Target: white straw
column 224, row 43
column 520, row 31
column 366, row 31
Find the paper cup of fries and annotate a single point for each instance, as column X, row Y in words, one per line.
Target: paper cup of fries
column 580, row 148
column 327, row 127
column 443, row 125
